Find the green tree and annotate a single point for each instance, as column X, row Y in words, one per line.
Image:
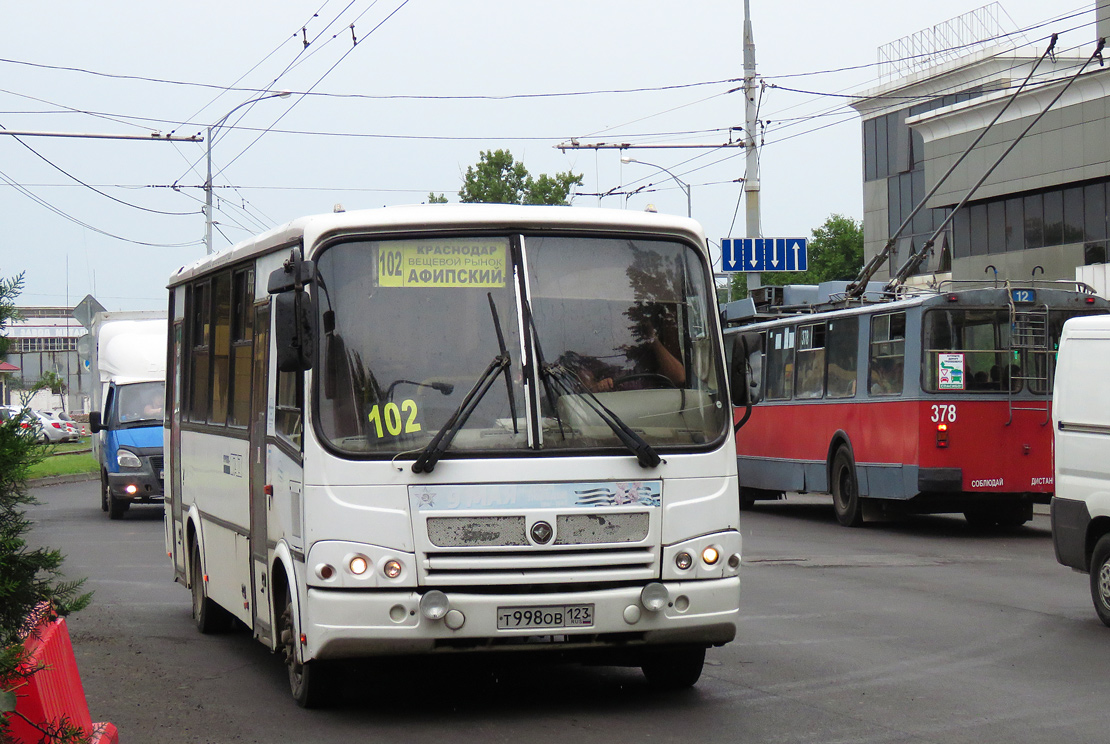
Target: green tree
column 433, row 199
column 498, row 179
column 835, row 253
column 31, row 581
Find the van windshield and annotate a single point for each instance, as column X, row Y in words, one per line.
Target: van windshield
column 140, row 403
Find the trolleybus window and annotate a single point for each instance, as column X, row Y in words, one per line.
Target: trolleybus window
column 969, row 350
column 809, row 381
column 842, row 343
column 780, row 363
column 888, row 352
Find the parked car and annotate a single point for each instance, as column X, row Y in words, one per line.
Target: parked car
column 53, row 430
column 72, row 428
column 29, row 421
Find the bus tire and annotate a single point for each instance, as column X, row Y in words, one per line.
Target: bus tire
column 845, row 490
column 208, row 616
column 105, row 492
column 309, row 681
column 1100, row 579
column 673, row 668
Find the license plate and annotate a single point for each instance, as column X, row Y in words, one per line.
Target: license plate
column 557, row 616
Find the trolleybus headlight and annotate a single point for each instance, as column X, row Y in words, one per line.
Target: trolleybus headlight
column 654, row 597
column 392, row 568
column 710, row 555
column 358, row 565
column 434, row 604
column 683, row 560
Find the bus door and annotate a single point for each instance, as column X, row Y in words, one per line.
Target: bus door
column 259, row 538
column 175, row 529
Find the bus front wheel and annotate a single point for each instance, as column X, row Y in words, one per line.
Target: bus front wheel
column 308, row 680
column 1100, row 578
column 674, row 668
column 845, row 490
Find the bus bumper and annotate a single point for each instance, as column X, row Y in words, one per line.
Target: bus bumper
column 376, row 623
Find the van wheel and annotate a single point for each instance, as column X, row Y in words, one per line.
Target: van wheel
column 104, row 490
column 309, row 681
column 1100, row 578
column 117, row 507
column 845, row 490
column 675, row 668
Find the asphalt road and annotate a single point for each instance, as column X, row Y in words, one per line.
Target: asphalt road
column 914, row 630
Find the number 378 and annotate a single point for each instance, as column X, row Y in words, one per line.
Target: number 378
column 944, row 414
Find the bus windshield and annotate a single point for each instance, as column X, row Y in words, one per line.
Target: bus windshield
column 409, row 326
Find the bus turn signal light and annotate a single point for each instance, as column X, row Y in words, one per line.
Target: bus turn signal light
column 942, row 435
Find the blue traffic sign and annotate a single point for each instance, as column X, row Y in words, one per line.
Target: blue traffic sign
column 764, row 254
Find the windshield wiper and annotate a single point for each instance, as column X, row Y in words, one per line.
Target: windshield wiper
column 429, row 456
column 567, row 381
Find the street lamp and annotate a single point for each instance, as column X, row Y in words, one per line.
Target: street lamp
column 208, row 181
column 682, row 184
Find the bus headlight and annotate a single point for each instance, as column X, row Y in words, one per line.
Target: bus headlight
column 710, row 555
column 128, row 459
column 392, row 568
column 358, row 565
column 683, row 560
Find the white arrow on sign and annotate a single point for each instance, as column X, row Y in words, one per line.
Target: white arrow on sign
column 775, row 254
column 732, row 254
column 754, row 261
column 797, row 247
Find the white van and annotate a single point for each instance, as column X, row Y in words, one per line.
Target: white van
column 1081, row 422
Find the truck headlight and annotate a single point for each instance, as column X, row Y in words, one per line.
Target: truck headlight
column 128, row 459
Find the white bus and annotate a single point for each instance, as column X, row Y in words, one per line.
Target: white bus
column 456, row 428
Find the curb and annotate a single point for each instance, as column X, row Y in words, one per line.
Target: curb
column 57, row 480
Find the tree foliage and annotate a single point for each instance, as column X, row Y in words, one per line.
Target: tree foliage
column 835, row 251
column 499, row 179
column 31, row 581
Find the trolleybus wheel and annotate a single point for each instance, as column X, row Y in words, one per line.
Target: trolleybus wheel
column 308, row 680
column 674, row 668
column 208, row 616
column 105, row 492
column 1100, row 578
column 845, row 490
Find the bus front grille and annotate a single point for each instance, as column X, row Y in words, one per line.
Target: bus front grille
column 540, row 566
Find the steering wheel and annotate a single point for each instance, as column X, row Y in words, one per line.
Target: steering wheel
column 655, row 376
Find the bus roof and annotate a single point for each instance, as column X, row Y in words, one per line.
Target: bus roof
column 423, row 217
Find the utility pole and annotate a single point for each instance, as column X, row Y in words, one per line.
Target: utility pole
column 751, row 176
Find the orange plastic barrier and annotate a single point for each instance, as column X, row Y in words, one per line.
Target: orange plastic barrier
column 55, row 690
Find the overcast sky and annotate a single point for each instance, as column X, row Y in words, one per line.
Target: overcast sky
column 428, row 86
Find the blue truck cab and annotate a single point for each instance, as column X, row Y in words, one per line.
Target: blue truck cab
column 130, row 433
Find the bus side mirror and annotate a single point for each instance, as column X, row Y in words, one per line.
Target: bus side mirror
column 293, row 335
column 95, row 422
column 745, row 369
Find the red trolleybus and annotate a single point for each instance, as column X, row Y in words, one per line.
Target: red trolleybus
column 936, row 400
